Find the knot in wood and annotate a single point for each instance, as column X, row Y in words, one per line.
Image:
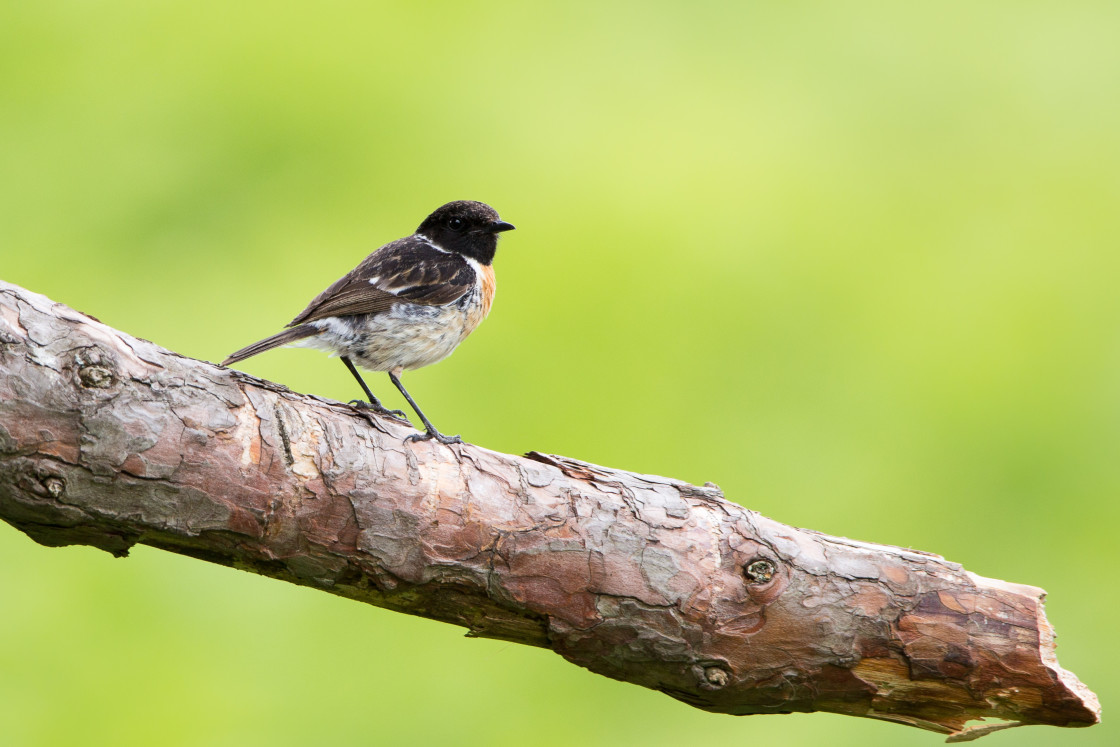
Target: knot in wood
column 55, row 486
column 716, row 676
column 760, row 571
column 96, row 377
column 95, row 369
column 43, row 479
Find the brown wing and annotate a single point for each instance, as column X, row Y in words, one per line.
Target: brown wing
column 408, row 270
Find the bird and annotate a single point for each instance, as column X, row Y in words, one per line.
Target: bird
column 405, row 306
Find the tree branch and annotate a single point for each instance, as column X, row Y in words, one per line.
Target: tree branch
column 108, row 440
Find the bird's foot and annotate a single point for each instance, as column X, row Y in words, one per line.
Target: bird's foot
column 432, row 433
column 380, row 409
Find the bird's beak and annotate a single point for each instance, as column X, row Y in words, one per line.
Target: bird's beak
column 500, row 225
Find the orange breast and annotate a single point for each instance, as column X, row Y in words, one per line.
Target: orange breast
column 489, row 287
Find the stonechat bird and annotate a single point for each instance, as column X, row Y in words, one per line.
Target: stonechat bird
column 407, row 305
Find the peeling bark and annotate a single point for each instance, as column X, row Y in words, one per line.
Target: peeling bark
column 109, row 440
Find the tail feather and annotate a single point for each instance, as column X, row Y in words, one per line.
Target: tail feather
column 268, row 343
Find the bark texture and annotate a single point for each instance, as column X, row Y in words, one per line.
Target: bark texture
column 109, row 440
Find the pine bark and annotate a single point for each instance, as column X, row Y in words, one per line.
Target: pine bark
column 108, row 440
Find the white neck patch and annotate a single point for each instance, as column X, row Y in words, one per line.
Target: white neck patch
column 430, row 243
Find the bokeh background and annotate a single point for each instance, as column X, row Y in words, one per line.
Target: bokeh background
column 855, row 262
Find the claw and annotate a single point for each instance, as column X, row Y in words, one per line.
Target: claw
column 379, row 409
column 433, row 434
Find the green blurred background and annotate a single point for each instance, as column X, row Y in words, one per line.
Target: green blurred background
column 855, row 262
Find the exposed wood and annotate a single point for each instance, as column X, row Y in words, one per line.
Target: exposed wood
column 108, row 440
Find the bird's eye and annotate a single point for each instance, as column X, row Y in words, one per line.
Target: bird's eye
column 455, row 224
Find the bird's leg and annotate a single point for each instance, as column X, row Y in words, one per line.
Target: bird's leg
column 430, row 431
column 374, row 403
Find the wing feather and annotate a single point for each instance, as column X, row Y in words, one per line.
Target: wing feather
column 408, row 270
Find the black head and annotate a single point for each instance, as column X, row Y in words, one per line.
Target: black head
column 466, row 227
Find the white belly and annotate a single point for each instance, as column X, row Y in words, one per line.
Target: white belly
column 407, row 337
